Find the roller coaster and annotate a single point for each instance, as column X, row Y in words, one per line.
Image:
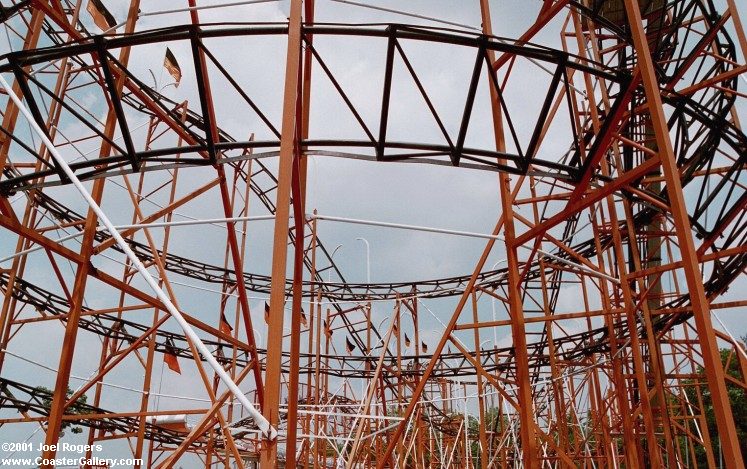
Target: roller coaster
column 622, row 227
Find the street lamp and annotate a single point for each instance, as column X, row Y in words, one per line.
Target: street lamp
column 492, row 302
column 368, row 260
column 331, row 259
column 256, row 332
column 381, row 339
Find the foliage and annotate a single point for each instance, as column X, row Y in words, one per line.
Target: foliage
column 492, row 424
column 737, row 399
column 76, row 407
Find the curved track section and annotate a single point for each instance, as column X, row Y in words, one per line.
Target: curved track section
column 606, row 349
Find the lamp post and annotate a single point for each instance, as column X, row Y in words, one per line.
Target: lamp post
column 368, row 260
column 331, row 258
column 256, row 332
column 492, row 302
column 381, row 339
column 381, row 323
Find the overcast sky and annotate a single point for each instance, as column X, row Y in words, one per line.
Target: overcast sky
column 435, row 196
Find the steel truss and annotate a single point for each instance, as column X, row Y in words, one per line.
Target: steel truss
column 642, row 214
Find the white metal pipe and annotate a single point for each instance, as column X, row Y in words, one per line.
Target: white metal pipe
column 460, row 233
column 180, row 10
column 206, row 221
column 728, row 332
column 137, row 226
column 356, row 221
column 467, row 448
column 344, row 414
column 264, row 425
column 38, row 247
column 450, row 23
column 403, row 226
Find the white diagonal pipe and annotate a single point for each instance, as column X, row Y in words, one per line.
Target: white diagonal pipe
column 264, row 425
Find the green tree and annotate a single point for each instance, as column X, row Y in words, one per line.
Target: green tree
column 493, row 424
column 737, row 399
column 76, row 407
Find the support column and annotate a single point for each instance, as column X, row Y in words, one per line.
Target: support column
column 518, row 330
column 71, row 329
column 701, row 308
column 270, row 408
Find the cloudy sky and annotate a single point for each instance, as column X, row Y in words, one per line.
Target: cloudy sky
column 435, row 196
